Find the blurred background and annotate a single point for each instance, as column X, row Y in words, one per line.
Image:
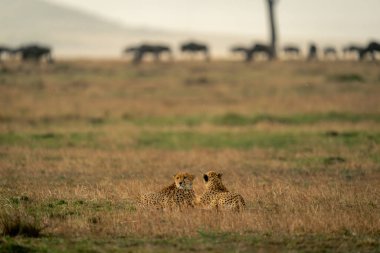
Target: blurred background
column 96, row 28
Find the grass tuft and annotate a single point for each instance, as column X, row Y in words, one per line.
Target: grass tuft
column 18, row 223
column 334, row 160
column 347, row 78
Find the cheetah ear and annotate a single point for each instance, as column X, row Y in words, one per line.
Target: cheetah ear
column 205, row 177
column 220, row 175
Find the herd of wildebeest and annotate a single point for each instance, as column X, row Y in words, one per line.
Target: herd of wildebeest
column 250, row 53
column 32, row 53
column 37, row 53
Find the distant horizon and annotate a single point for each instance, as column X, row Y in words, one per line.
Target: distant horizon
column 75, row 30
column 336, row 21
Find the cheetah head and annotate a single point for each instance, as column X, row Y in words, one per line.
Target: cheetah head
column 213, row 179
column 184, row 180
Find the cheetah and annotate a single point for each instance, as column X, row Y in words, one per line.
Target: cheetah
column 217, row 196
column 177, row 195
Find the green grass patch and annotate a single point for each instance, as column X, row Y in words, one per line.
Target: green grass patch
column 62, row 209
column 347, row 78
column 352, row 138
column 189, row 139
column 49, row 139
column 227, row 119
column 164, row 121
column 241, row 140
column 250, row 139
column 234, row 119
column 216, row 242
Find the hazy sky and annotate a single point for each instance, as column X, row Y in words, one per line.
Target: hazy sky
column 320, row 19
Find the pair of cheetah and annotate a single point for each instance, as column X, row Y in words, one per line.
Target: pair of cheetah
column 181, row 194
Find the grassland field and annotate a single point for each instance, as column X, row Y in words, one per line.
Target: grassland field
column 81, row 140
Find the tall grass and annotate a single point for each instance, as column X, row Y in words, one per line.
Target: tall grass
column 286, row 193
column 16, row 222
column 80, row 141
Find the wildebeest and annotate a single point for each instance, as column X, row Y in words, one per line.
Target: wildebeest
column 330, row 52
column 258, row 49
column 33, row 53
column 128, row 50
column 313, row 52
column 195, row 47
column 352, row 49
column 239, row 50
column 292, row 51
column 371, row 50
column 140, row 51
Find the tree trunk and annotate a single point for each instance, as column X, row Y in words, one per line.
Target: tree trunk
column 271, row 4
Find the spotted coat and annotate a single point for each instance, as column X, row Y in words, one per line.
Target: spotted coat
column 178, row 195
column 217, row 196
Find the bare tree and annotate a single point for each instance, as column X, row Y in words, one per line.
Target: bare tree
column 271, row 4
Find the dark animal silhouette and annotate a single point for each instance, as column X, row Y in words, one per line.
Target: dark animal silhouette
column 352, row 50
column 292, row 51
column 163, row 49
column 370, row 50
column 195, row 47
column 130, row 50
column 313, row 52
column 140, row 51
column 33, row 53
column 239, row 49
column 259, row 49
column 330, row 52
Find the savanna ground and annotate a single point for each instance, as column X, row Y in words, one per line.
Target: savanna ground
column 80, row 140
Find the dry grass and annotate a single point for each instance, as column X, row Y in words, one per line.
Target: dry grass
column 93, row 89
column 81, row 140
column 15, row 222
column 73, row 189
